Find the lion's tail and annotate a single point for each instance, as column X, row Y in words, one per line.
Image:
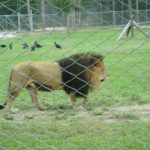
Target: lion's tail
column 2, row 106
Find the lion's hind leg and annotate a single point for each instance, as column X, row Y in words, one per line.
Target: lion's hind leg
column 12, row 94
column 17, row 82
column 33, row 93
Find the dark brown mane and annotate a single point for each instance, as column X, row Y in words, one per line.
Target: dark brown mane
column 74, row 72
column 87, row 58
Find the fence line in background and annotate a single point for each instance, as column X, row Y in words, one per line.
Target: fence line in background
column 20, row 22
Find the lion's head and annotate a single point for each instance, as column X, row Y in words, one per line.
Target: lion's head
column 83, row 72
column 100, row 69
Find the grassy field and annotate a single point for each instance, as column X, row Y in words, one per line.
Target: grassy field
column 97, row 128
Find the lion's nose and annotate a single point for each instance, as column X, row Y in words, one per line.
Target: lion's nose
column 102, row 80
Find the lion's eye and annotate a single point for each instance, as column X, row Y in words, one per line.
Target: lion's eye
column 97, row 64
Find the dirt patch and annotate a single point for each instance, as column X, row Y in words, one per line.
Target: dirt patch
column 6, row 35
column 122, row 113
column 52, row 29
column 138, row 112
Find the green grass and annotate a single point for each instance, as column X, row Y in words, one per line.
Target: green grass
column 130, row 116
column 75, row 134
column 127, row 62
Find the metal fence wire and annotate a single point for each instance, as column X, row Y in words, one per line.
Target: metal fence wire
column 20, row 22
column 75, row 52
column 34, row 20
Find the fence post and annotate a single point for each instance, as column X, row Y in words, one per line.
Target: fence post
column 101, row 13
column 31, row 20
column 19, row 27
column 73, row 20
column 137, row 10
column 30, row 16
column 6, row 22
column 43, row 14
column 114, row 18
column 68, row 22
column 114, row 14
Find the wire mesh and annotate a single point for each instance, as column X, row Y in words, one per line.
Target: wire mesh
column 81, row 33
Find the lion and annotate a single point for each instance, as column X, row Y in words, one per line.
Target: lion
column 77, row 75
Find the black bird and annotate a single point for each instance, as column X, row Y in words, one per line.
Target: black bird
column 33, row 47
column 3, row 45
column 10, row 46
column 57, row 45
column 24, row 45
column 37, row 44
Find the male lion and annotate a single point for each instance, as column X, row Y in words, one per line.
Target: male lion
column 76, row 75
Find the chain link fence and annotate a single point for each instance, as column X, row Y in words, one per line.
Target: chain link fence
column 20, row 22
column 111, row 117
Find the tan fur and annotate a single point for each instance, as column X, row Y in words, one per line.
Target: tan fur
column 95, row 73
column 24, row 74
column 49, row 73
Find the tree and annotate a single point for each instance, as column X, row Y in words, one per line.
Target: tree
column 62, row 5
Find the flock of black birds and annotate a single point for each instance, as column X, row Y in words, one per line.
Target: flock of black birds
column 26, row 46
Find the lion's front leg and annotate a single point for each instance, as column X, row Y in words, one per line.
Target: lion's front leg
column 73, row 100
column 85, row 102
